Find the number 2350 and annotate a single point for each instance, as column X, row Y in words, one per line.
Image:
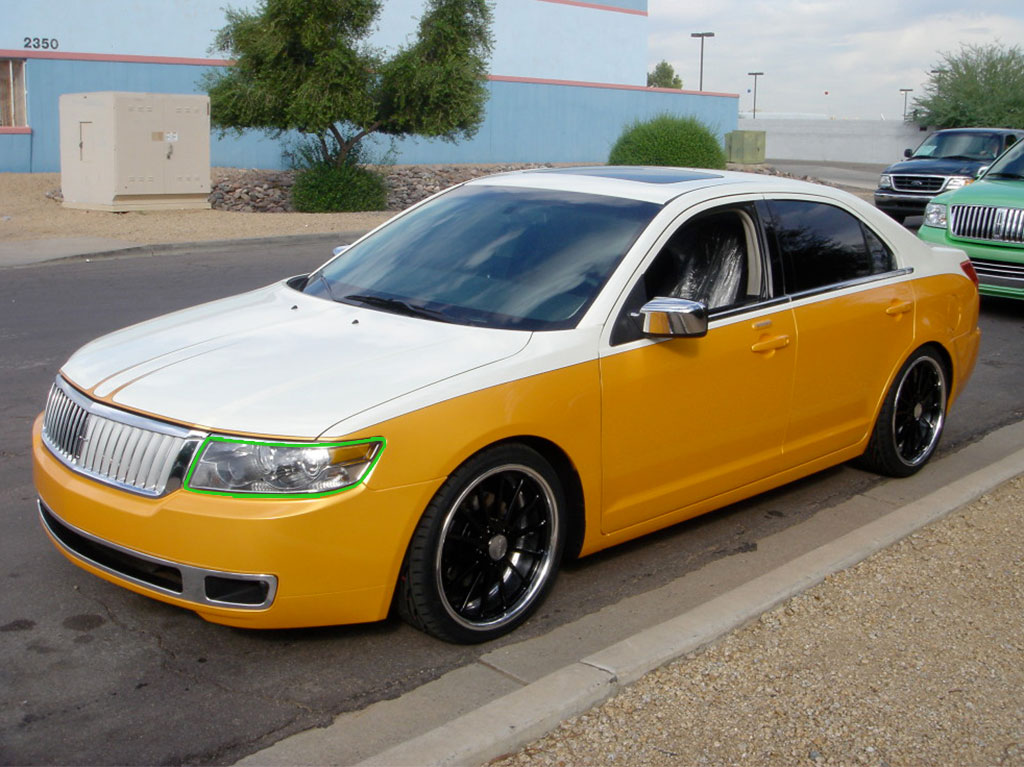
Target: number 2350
column 41, row 43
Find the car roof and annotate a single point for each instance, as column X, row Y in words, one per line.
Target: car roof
column 1014, row 131
column 650, row 184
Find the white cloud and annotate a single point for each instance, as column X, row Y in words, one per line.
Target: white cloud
column 861, row 53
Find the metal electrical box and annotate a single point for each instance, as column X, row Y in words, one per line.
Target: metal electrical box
column 134, row 151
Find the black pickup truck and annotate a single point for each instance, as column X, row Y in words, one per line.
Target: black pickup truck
column 946, row 160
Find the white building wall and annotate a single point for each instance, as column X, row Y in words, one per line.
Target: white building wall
column 862, row 141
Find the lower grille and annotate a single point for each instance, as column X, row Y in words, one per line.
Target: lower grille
column 113, row 446
column 999, row 272
column 193, row 584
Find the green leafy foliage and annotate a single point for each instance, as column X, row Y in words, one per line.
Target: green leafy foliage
column 305, row 65
column 668, row 140
column 326, row 188
column 980, row 85
column 663, row 76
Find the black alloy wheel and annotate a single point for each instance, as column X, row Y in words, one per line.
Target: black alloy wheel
column 487, row 550
column 912, row 417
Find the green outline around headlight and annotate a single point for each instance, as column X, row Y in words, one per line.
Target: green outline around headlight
column 229, row 494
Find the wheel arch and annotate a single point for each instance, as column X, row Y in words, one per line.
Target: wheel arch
column 572, row 486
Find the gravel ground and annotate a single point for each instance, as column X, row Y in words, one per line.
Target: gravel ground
column 913, row 657
column 26, row 213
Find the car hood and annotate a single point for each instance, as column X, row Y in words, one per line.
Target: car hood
column 278, row 362
column 937, row 167
column 998, row 192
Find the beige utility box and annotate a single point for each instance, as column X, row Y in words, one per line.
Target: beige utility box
column 745, row 146
column 134, row 151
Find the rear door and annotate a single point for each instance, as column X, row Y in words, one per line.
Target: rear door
column 854, row 314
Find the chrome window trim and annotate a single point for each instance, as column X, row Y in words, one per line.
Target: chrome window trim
column 836, row 286
column 192, row 578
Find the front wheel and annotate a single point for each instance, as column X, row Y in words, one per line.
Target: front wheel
column 487, row 549
column 912, row 418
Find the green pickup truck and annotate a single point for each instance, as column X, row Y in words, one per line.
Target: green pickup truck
column 986, row 219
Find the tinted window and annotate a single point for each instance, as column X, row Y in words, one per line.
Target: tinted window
column 506, row 257
column 823, row 245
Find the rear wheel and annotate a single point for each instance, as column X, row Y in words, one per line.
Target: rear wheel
column 912, row 418
column 486, row 552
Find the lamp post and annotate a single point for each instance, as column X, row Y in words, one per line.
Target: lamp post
column 905, row 92
column 755, row 75
column 701, row 35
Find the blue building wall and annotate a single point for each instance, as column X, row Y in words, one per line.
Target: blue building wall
column 554, row 95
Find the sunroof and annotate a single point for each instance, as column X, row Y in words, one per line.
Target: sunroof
column 650, row 175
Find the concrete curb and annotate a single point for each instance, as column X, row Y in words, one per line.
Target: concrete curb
column 511, row 721
column 328, row 239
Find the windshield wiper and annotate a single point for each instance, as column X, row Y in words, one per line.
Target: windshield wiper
column 397, row 306
column 958, row 157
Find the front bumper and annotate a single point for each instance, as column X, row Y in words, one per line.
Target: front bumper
column 319, row 561
column 901, row 203
column 1000, row 268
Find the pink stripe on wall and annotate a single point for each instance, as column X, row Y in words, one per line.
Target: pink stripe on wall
column 71, row 56
column 608, row 86
column 598, row 7
column 9, row 130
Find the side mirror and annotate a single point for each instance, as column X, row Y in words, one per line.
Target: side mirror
column 908, row 152
column 982, row 171
column 674, row 317
column 340, row 249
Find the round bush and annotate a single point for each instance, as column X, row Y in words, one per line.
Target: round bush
column 325, row 188
column 668, row 140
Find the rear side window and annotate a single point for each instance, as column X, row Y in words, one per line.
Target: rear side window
column 823, row 245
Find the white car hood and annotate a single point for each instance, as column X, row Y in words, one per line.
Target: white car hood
column 278, row 362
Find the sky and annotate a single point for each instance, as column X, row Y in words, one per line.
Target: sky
column 843, row 59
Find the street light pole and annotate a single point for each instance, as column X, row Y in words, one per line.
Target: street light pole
column 702, row 35
column 755, row 75
column 905, row 92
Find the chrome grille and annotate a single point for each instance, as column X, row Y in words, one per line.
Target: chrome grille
column 987, row 222
column 910, row 183
column 112, row 446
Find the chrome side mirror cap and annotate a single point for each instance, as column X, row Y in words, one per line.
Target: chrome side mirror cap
column 674, row 317
column 340, row 249
column 982, row 171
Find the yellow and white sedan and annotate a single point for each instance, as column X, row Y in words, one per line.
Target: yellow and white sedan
column 525, row 367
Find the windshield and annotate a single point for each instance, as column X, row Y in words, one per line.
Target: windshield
column 954, row 145
column 1010, row 165
column 506, row 257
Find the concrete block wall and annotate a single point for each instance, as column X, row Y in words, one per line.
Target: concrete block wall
column 857, row 141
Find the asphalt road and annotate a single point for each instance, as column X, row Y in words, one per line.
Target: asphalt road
column 93, row 674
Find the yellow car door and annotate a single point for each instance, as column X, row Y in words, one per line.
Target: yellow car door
column 687, row 418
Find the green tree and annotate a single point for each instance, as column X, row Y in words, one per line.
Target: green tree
column 980, row 85
column 305, row 65
column 663, row 76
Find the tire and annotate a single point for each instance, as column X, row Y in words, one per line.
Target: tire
column 487, row 549
column 912, row 417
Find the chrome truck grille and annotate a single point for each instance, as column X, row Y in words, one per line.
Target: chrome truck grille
column 987, row 222
column 122, row 449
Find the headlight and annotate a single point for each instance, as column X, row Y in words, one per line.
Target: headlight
column 935, row 215
column 234, row 466
column 885, row 181
column 955, row 182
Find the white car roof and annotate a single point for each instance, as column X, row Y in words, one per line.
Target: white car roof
column 650, row 184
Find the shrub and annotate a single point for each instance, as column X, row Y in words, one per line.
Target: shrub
column 668, row 140
column 327, row 188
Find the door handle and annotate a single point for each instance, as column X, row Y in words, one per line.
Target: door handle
column 897, row 308
column 770, row 344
